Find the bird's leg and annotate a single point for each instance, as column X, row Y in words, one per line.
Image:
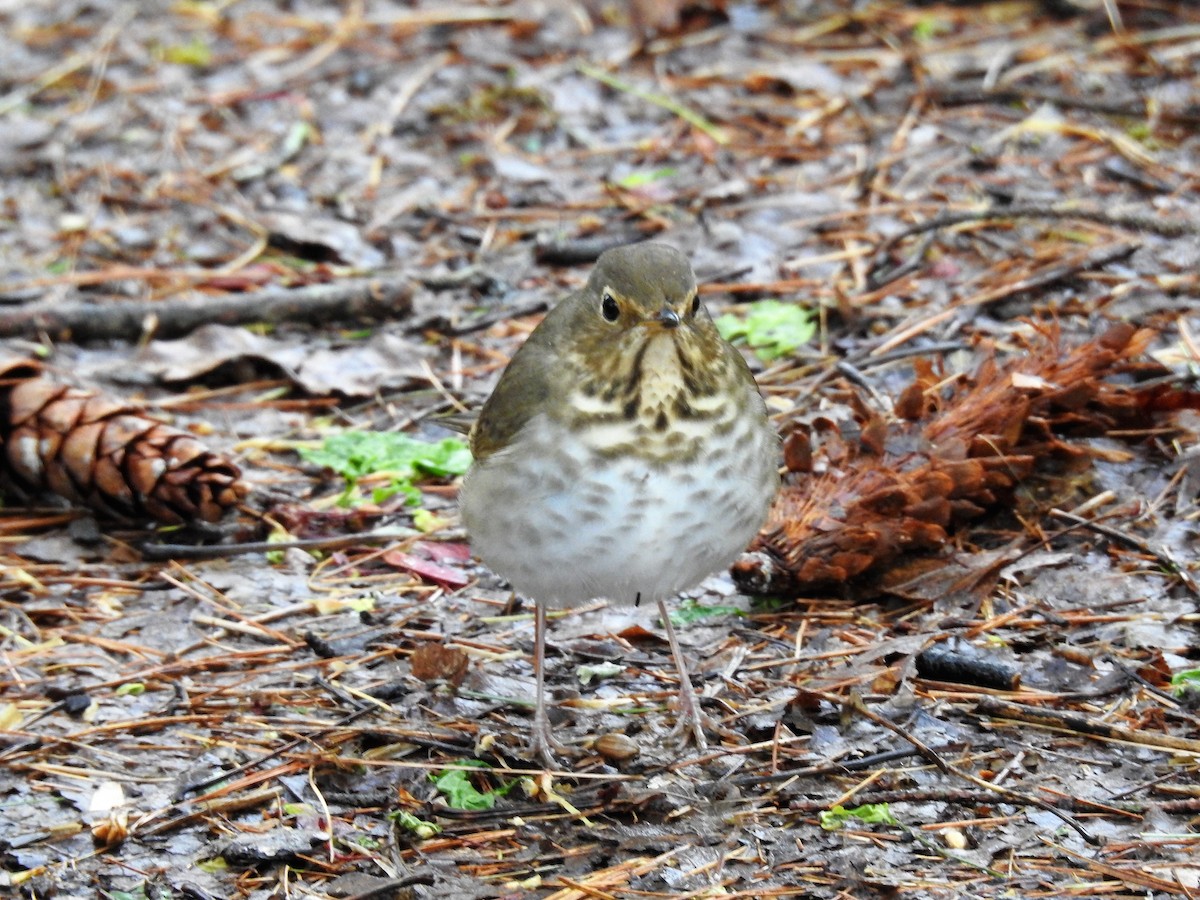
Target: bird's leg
column 542, row 743
column 689, row 709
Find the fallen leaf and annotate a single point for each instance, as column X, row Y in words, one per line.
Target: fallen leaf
column 427, row 569
column 437, row 662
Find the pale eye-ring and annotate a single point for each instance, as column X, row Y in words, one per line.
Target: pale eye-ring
column 695, row 303
column 609, row 308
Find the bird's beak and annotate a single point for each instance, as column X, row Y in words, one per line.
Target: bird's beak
column 667, row 318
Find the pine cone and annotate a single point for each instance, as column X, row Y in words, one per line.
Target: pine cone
column 107, row 456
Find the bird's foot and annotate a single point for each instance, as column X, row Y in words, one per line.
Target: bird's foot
column 542, row 744
column 691, row 719
column 689, row 725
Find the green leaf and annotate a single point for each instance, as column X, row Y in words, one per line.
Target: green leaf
column 928, row 27
column 194, row 53
column 460, row 793
column 131, row 689
column 869, row 814
column 690, row 611
column 357, row 454
column 398, row 486
column 417, row 826
column 1186, row 682
column 771, row 328
column 298, row 135
column 637, row 179
column 425, row 521
column 598, row 671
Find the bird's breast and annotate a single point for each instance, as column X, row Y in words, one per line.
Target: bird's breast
column 565, row 524
column 658, row 409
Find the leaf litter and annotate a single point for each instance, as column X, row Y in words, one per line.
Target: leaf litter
column 911, row 183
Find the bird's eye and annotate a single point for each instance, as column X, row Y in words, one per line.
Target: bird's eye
column 695, row 303
column 609, row 308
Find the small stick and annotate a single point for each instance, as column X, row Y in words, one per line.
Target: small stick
column 670, row 105
column 1164, row 558
column 1137, row 108
column 1092, row 259
column 194, row 786
column 159, row 552
column 1080, row 724
column 356, row 298
column 930, row 754
column 1132, row 221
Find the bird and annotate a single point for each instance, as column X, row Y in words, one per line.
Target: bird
column 624, row 454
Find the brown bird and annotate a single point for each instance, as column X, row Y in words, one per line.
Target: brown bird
column 625, row 454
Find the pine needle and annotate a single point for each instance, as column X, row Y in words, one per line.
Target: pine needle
column 692, row 117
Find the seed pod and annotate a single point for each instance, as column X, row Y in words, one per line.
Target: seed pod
column 617, row 747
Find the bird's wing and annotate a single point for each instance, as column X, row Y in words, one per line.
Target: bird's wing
column 526, row 386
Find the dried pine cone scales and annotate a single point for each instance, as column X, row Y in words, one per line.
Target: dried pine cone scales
column 976, row 439
column 108, row 456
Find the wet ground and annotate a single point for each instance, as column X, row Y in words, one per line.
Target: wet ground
column 926, row 178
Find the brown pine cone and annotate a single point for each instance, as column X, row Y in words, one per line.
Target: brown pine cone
column 954, row 449
column 108, row 456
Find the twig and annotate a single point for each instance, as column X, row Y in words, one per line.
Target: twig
column 872, row 761
column 878, row 276
column 161, row 552
column 1190, row 805
column 1083, row 262
column 1136, row 108
column 669, row 104
column 899, row 353
column 1134, row 677
column 1132, row 877
column 248, row 629
column 1080, row 724
column 107, row 36
column 576, row 251
column 194, row 786
column 1162, row 555
column 1090, row 259
column 1133, row 221
column 392, row 888
column 204, row 808
column 930, row 754
column 128, row 320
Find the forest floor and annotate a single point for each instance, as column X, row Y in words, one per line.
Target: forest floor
column 935, row 184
